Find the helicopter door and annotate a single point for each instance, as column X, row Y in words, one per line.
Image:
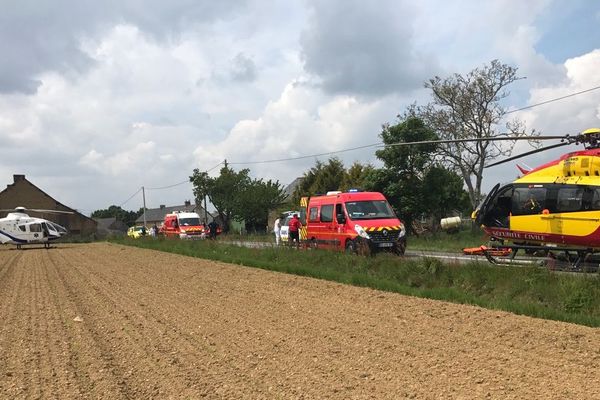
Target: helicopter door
column 36, row 231
column 499, row 208
column 483, row 208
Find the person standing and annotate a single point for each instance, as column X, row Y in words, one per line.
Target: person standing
column 212, row 229
column 294, row 231
column 277, row 230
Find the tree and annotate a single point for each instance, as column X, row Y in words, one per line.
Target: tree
column 466, row 107
column 127, row 217
column 444, row 193
column 222, row 191
column 401, row 178
column 323, row 178
column 236, row 196
column 256, row 201
column 356, row 176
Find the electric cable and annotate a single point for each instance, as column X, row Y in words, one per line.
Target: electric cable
column 130, row 197
column 365, row 146
column 181, row 183
column 552, row 100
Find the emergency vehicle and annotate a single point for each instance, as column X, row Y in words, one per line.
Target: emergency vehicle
column 184, row 225
column 362, row 222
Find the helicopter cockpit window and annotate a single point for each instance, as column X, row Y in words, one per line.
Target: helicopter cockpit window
column 23, row 228
column 569, row 199
column 595, row 200
column 528, row 201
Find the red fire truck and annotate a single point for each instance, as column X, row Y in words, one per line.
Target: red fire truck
column 184, row 225
column 355, row 221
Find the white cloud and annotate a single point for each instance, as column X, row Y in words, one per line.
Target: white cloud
column 303, row 121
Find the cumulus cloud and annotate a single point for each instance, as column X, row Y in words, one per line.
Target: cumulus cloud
column 303, row 121
column 46, row 36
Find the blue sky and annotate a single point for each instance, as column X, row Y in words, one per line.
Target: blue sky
column 568, row 29
column 100, row 99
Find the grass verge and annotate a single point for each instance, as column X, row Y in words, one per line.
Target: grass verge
column 531, row 291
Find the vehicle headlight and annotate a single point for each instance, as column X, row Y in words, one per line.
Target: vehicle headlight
column 402, row 231
column 361, row 232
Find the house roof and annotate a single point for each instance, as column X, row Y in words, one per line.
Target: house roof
column 289, row 189
column 59, row 206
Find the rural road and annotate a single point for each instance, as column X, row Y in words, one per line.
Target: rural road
column 105, row 321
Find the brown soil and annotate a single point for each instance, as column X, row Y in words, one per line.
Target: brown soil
column 104, row 321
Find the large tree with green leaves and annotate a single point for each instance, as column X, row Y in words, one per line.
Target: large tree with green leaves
column 222, row 191
column 330, row 176
column 255, row 202
column 235, row 195
column 404, row 167
column 466, row 107
column 443, row 193
column 128, row 217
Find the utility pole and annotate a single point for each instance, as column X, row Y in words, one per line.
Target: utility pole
column 144, row 198
column 205, row 212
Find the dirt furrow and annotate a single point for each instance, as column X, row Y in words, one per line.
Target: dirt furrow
column 150, row 360
column 157, row 325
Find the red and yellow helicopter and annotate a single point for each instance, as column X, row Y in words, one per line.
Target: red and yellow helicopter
column 554, row 208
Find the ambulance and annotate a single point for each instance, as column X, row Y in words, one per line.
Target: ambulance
column 183, row 225
column 358, row 222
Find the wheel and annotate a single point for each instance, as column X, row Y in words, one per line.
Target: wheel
column 400, row 247
column 313, row 243
column 350, row 247
column 363, row 248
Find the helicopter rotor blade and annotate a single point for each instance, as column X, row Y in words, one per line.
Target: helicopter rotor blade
column 527, row 154
column 484, row 139
column 20, row 209
column 49, row 211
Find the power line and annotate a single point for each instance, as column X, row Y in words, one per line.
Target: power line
column 130, row 197
column 373, row 144
column 181, row 183
column 303, row 157
column 552, row 100
column 403, row 143
column 170, row 186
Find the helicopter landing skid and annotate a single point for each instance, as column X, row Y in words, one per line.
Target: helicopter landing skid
column 553, row 258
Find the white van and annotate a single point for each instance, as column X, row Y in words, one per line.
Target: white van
column 285, row 224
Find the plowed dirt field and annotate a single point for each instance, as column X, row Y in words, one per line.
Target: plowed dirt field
column 102, row 321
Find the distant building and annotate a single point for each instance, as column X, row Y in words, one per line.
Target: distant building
column 157, row 215
column 289, row 189
column 22, row 193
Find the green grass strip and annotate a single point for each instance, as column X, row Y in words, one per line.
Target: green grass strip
column 528, row 291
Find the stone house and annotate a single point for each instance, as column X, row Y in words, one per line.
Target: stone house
column 22, row 193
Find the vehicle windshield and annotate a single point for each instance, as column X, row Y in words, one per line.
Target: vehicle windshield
column 189, row 221
column 371, row 209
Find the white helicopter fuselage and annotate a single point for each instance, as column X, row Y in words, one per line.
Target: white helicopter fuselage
column 19, row 228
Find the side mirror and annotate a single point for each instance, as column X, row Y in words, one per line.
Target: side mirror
column 341, row 218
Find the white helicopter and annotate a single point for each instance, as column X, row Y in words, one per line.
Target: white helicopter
column 19, row 228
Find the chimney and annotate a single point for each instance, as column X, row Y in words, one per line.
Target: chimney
column 18, row 178
column 162, row 206
column 187, row 203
